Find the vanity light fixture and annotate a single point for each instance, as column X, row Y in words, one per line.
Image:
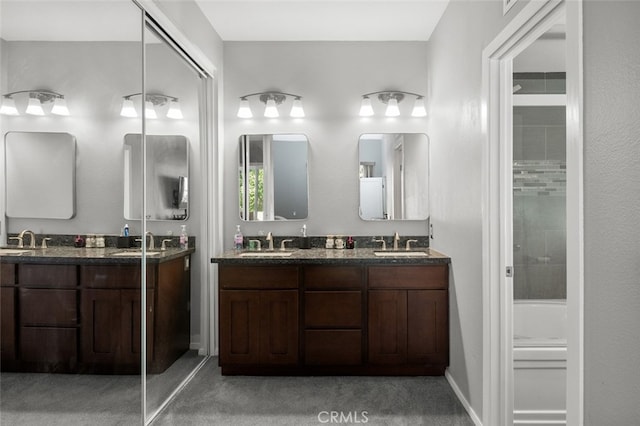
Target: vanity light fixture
column 271, row 100
column 34, row 106
column 392, row 98
column 152, row 101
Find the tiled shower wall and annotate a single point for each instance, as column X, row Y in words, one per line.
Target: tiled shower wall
column 539, row 203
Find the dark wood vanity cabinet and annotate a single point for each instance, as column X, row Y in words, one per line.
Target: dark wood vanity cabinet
column 409, row 316
column 258, row 316
column 48, row 317
column 333, row 315
column 353, row 319
column 7, row 312
column 110, row 307
column 87, row 318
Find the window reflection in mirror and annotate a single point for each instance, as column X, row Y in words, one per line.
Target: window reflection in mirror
column 272, row 178
column 394, row 176
column 167, row 177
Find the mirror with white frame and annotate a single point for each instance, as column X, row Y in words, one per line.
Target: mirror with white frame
column 394, row 176
column 272, row 177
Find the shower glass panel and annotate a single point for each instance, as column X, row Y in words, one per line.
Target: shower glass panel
column 64, row 358
column 539, row 195
column 173, row 91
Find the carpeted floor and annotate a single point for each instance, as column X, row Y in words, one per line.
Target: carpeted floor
column 212, row 399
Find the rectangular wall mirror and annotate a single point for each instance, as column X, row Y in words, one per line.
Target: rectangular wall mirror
column 394, row 176
column 41, row 175
column 167, row 177
column 273, row 179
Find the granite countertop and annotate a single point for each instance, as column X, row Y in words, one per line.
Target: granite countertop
column 333, row 256
column 73, row 255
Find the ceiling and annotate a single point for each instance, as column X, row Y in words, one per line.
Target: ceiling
column 234, row 20
column 323, row 20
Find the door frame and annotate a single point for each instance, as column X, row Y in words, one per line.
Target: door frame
column 533, row 20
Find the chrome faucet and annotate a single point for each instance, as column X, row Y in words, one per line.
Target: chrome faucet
column 282, row 244
column 20, row 238
column 381, row 240
column 409, row 244
column 258, row 244
column 163, row 245
column 152, row 244
column 270, row 239
column 396, row 238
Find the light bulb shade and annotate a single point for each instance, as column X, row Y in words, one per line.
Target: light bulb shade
column 128, row 110
column 174, row 110
column 244, row 111
column 34, row 107
column 271, row 110
column 392, row 108
column 418, row 108
column 60, row 107
column 149, row 111
column 296, row 109
column 8, row 107
column 366, row 110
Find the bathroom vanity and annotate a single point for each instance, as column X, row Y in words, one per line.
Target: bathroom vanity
column 334, row 312
column 73, row 310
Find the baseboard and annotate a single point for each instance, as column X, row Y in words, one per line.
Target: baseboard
column 540, row 417
column 461, row 397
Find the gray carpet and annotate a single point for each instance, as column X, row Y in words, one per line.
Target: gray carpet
column 212, row 399
column 85, row 399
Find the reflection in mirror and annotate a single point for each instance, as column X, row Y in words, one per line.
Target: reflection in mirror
column 273, row 179
column 167, row 177
column 394, row 176
column 40, row 171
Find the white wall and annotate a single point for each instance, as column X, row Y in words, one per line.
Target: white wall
column 454, row 98
column 612, row 212
column 331, row 77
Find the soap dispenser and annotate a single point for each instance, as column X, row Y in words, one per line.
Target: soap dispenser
column 304, row 240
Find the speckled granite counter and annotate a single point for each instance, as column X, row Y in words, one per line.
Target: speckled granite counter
column 83, row 256
column 333, row 256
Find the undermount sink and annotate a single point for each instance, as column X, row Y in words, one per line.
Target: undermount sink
column 132, row 253
column 266, row 254
column 401, row 253
column 10, row 251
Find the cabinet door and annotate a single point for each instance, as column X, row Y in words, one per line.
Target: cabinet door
column 131, row 327
column 7, row 323
column 279, row 327
column 239, row 322
column 387, row 326
column 101, row 326
column 428, row 326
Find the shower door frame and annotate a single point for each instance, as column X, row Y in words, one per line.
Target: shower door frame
column 532, row 21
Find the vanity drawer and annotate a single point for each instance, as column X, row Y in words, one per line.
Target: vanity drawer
column 429, row 277
column 56, row 276
column 48, row 307
column 258, row 277
column 328, row 309
column 333, row 347
column 7, row 273
column 115, row 276
column 332, row 277
column 54, row 347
